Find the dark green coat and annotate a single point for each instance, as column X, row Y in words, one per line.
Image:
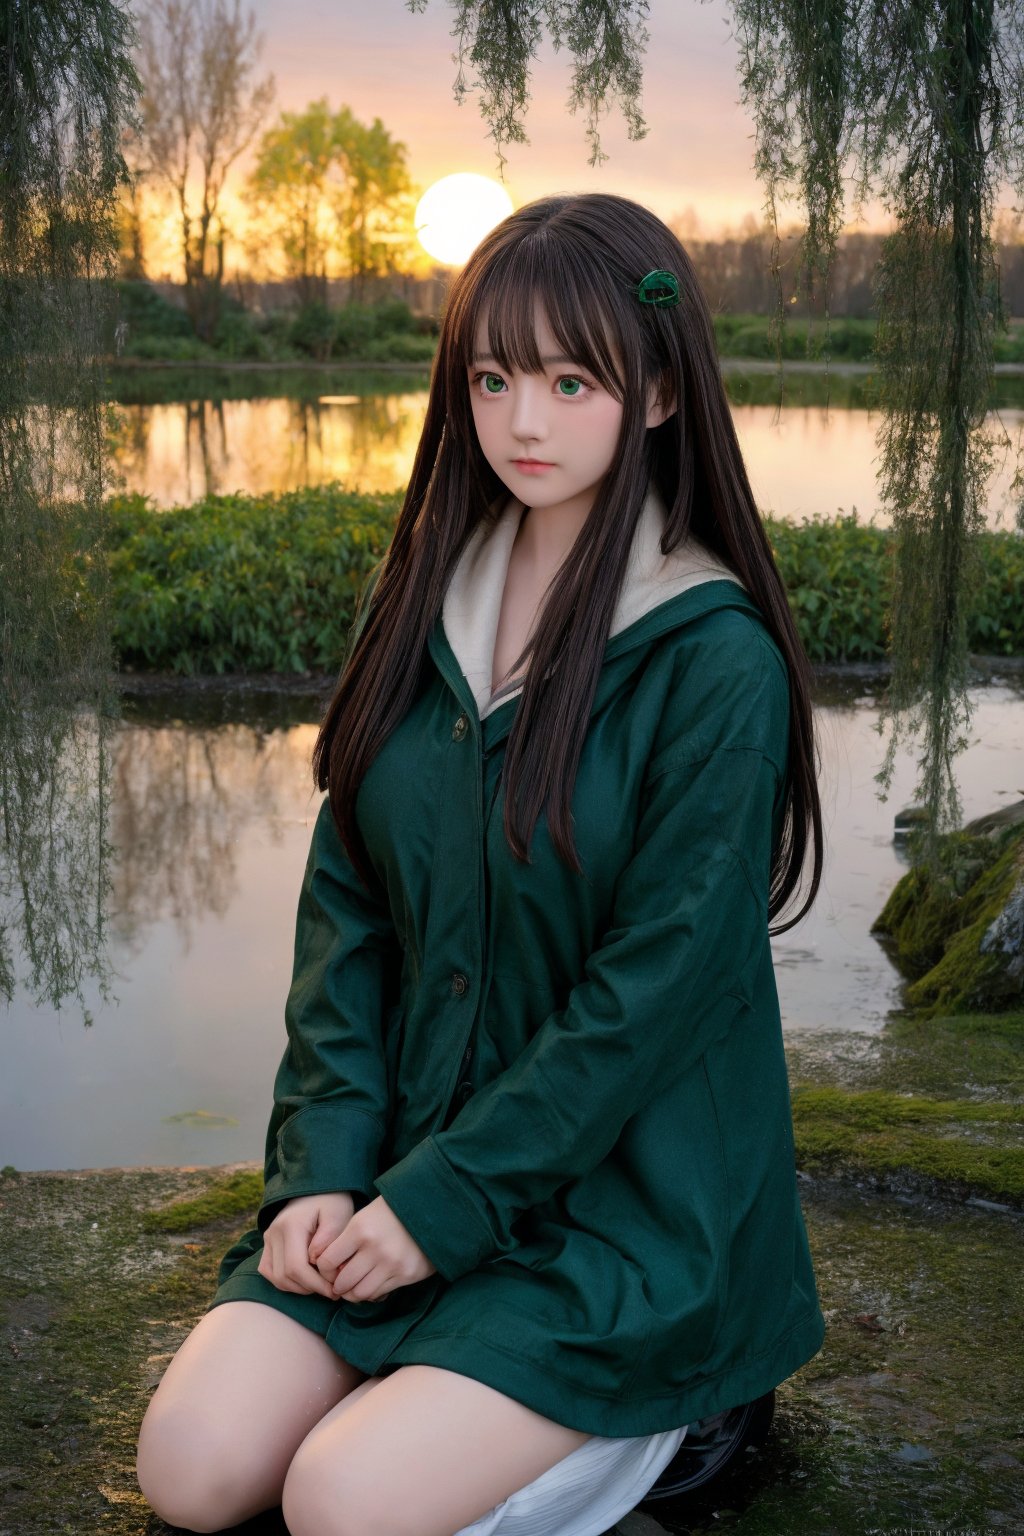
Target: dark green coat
column 571, row 1089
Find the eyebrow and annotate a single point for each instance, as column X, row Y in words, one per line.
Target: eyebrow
column 489, row 357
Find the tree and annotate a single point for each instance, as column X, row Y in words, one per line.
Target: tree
column 334, row 194
column 200, row 111
column 288, row 186
column 929, row 95
column 69, row 88
column 374, row 205
column 130, row 211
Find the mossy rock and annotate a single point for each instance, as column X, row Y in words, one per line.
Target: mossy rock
column 954, row 932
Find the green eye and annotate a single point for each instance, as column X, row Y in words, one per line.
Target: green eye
column 492, row 378
column 575, row 385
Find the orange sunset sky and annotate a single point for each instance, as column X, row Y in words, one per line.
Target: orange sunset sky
column 382, row 60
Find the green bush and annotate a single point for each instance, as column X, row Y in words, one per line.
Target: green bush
column 145, row 311
column 169, row 349
column 312, row 330
column 277, row 331
column 850, row 340
column 1009, row 348
column 404, row 349
column 355, row 330
column 838, row 575
column 237, row 336
column 392, row 317
column 383, row 332
column 836, row 572
column 387, row 331
column 243, row 583
column 269, row 583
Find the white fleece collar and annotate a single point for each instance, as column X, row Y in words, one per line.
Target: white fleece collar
column 472, row 602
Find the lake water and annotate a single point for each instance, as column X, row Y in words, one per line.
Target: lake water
column 803, row 459
column 213, row 809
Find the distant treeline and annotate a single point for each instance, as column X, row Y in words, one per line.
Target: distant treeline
column 735, row 273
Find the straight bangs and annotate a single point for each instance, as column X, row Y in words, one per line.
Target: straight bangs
column 574, row 291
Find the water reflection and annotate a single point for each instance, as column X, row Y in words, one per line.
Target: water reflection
column 177, row 453
column 55, row 857
column 183, row 797
column 832, row 972
column 212, row 811
column 180, row 452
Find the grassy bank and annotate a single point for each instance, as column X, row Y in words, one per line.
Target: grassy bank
column 269, row 583
column 155, row 330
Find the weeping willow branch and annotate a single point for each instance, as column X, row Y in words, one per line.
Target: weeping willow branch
column 500, row 38
column 927, row 96
column 67, row 88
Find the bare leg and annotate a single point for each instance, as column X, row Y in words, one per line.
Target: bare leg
column 424, row 1453
column 239, row 1397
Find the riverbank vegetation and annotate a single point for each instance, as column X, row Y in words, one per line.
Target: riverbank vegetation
column 153, row 329
column 270, row 583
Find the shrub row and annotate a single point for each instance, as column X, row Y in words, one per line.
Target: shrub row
column 850, row 339
column 388, row 331
column 269, row 583
column 156, row 330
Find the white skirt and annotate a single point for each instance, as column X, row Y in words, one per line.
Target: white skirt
column 586, row 1492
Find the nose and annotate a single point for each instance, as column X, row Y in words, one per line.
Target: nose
column 529, row 415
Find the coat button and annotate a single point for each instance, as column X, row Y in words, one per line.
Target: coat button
column 460, row 727
column 460, row 984
column 464, row 1091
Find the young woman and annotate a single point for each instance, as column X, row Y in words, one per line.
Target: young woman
column 530, row 1201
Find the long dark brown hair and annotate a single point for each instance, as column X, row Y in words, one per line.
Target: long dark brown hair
column 582, row 257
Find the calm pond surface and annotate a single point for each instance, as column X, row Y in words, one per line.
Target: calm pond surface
column 212, row 813
column 803, row 459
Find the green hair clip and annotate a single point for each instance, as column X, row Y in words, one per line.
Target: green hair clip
column 659, row 287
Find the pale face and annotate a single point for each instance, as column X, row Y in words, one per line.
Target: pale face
column 549, row 437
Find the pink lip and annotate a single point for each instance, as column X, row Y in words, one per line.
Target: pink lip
column 532, row 466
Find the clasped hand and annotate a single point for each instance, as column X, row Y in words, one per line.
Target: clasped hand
column 320, row 1244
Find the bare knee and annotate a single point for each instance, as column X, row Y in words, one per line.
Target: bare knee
column 327, row 1494
column 246, row 1386
column 192, row 1473
column 331, row 1500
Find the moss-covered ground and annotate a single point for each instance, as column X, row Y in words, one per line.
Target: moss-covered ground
column 909, row 1415
column 930, row 1104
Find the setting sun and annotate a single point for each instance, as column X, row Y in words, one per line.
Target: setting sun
column 454, row 214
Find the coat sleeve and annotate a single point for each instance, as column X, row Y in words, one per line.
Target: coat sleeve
column 331, row 1091
column 689, row 926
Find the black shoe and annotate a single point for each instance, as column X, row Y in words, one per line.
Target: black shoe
column 709, row 1448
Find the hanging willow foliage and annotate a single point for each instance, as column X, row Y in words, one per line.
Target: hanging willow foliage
column 927, row 96
column 605, row 39
column 67, row 87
